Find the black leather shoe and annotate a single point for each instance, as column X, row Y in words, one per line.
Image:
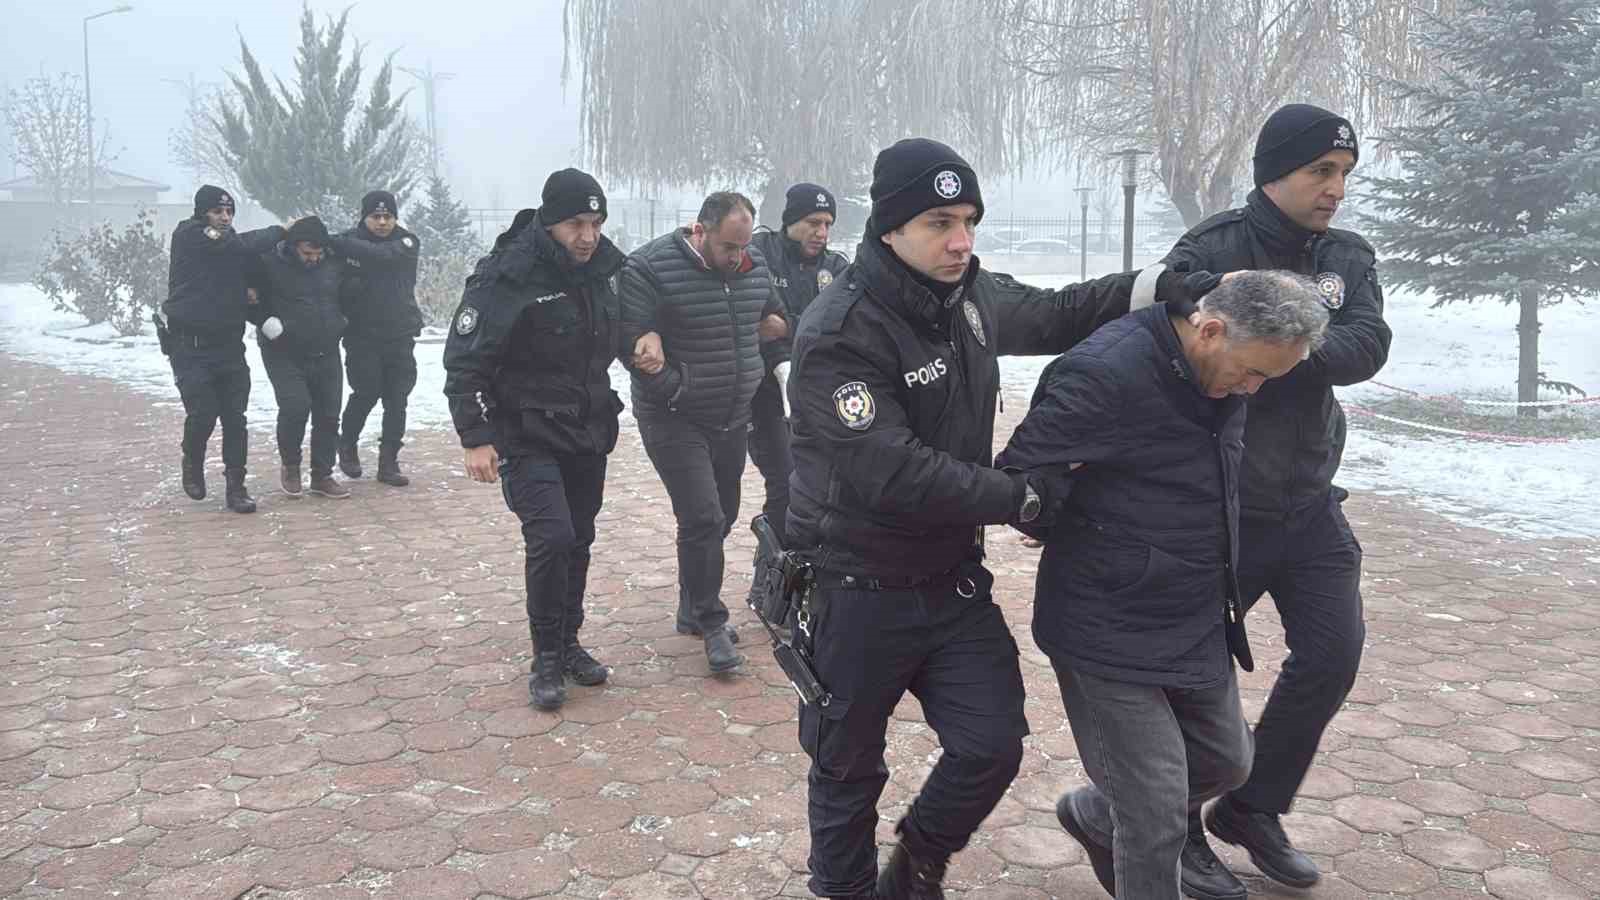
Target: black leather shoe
column 350, row 460
column 1204, row 875
column 581, row 667
column 1261, row 835
column 909, row 877
column 194, row 478
column 545, row 686
column 1100, row 858
column 720, row 655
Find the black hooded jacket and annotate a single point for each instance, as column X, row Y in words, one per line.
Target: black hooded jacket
column 305, row 299
column 379, row 289
column 894, row 393
column 529, row 347
column 208, row 271
column 1295, row 435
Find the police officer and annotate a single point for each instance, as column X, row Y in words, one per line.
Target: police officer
column 801, row 265
column 379, row 297
column 208, row 302
column 1294, row 539
column 893, row 399
column 525, row 371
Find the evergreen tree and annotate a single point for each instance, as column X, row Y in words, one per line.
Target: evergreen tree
column 443, row 223
column 1500, row 197
column 315, row 149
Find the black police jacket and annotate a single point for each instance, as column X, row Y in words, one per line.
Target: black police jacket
column 1295, row 436
column 893, row 394
column 798, row 280
column 305, row 299
column 707, row 322
column 1137, row 578
column 208, row 271
column 526, row 358
column 379, row 290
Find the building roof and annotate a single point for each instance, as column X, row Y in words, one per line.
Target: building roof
column 108, row 179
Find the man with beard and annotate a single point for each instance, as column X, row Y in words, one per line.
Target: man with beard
column 696, row 306
column 208, row 302
column 801, row 265
column 379, row 298
column 1294, row 540
column 525, row 370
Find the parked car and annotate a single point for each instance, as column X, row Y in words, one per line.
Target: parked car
column 1044, row 247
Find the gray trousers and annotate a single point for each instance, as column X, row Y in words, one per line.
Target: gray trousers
column 1154, row 753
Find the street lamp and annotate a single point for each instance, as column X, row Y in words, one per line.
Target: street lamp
column 1130, row 184
column 88, row 102
column 1083, row 250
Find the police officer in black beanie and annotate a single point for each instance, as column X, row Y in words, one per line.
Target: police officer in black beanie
column 208, row 303
column 1294, row 540
column 801, row 265
column 525, row 370
column 379, row 297
column 893, row 397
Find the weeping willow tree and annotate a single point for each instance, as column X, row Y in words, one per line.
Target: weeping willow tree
column 1191, row 81
column 770, row 92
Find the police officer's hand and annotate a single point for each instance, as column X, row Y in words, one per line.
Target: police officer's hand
column 772, row 327
column 647, row 354
column 483, row 464
column 1181, row 291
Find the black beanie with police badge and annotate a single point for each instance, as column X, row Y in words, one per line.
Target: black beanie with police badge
column 568, row 193
column 379, row 201
column 211, row 197
column 915, row 175
column 806, row 198
column 1299, row 134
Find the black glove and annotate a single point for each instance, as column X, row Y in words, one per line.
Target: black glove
column 1040, row 497
column 1181, row 291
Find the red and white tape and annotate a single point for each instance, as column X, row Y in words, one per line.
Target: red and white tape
column 1465, row 401
column 1440, row 429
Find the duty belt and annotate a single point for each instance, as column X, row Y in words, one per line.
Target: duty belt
column 964, row 585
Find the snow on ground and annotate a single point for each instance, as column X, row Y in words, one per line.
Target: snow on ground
column 1466, row 350
column 1469, row 350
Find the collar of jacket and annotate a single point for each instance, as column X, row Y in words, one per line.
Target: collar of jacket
column 796, row 254
column 533, row 249
column 1158, row 318
column 889, row 280
column 1275, row 230
column 746, row 263
column 361, row 231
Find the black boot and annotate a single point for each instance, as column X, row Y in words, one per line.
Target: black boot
column 1203, row 875
column 720, row 655
column 194, row 476
column 349, row 460
column 909, row 877
column 1262, row 836
column 1100, row 856
column 389, row 466
column 545, row 685
column 581, row 667
column 239, row 499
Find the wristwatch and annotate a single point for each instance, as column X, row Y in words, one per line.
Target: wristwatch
column 1031, row 504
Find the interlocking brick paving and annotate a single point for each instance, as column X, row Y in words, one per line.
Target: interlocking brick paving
column 327, row 699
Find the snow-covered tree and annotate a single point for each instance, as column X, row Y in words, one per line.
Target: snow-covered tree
column 1500, row 196
column 316, row 148
column 46, row 118
column 442, row 222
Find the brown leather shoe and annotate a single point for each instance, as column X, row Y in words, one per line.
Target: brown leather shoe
column 290, row 479
column 326, row 486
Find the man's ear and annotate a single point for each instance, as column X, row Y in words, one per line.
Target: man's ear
column 1214, row 329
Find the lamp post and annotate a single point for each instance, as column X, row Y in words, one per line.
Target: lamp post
column 88, row 102
column 430, row 80
column 1130, row 185
column 1083, row 249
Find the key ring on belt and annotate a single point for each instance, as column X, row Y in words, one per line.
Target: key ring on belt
column 966, row 588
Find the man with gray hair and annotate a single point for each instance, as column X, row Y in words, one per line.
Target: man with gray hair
column 1139, row 433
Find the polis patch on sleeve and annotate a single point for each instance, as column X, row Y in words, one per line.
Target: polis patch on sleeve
column 467, row 321
column 1331, row 286
column 855, row 406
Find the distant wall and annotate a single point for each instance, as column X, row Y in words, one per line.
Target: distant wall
column 25, row 227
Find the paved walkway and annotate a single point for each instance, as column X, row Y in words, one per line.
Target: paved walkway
column 326, row 699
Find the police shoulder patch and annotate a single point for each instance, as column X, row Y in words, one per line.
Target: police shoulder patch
column 975, row 320
column 213, row 233
column 1330, row 285
column 824, row 278
column 466, row 321
column 855, row 406
column 407, row 243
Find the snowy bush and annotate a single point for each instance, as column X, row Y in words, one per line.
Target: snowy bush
column 441, row 276
column 107, row 276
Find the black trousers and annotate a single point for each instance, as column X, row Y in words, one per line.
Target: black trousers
column 956, row 655
column 307, row 387
column 1311, row 564
column 769, row 450
column 556, row 498
column 214, row 384
column 700, row 468
column 379, row 370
